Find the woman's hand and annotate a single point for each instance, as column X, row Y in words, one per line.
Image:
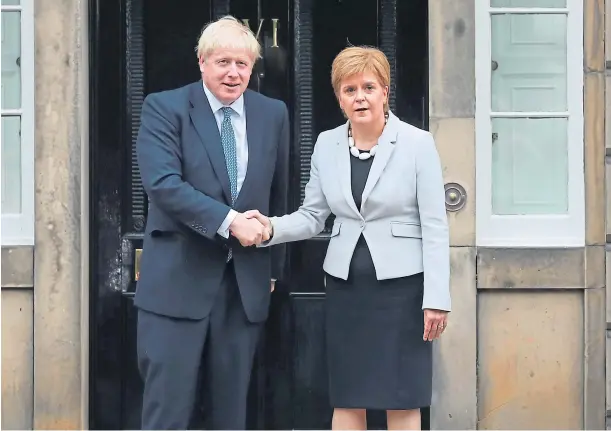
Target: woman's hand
column 262, row 219
column 435, row 322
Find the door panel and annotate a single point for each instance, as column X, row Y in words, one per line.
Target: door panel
column 151, row 48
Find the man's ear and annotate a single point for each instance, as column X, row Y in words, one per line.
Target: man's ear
column 200, row 62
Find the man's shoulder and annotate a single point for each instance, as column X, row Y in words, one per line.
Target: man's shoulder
column 170, row 104
column 265, row 102
column 174, row 96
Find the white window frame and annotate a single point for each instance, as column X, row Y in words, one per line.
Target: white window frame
column 18, row 229
column 529, row 230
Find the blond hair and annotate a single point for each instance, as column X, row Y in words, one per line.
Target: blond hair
column 355, row 60
column 227, row 32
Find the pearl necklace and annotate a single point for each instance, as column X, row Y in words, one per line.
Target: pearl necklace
column 362, row 155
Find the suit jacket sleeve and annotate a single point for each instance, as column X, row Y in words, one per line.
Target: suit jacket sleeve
column 309, row 219
column 434, row 222
column 159, row 154
column 279, row 196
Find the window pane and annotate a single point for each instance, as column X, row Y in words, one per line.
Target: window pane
column 529, row 62
column 529, row 166
column 528, row 3
column 11, row 59
column 11, row 165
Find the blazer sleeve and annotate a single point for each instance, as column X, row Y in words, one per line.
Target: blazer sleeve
column 159, row 155
column 435, row 233
column 309, row 219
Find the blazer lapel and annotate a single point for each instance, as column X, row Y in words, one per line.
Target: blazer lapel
column 343, row 168
column 254, row 138
column 208, row 131
column 386, row 145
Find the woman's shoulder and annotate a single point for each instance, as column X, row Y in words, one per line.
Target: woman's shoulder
column 333, row 134
column 414, row 139
column 410, row 132
column 328, row 138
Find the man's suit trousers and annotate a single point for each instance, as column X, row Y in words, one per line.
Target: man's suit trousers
column 183, row 361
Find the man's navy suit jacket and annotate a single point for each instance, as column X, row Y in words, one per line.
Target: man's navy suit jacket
column 184, row 174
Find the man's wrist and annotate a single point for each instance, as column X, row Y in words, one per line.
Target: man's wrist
column 224, row 228
column 233, row 214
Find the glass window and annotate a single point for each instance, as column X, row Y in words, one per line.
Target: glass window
column 529, row 120
column 11, row 60
column 17, row 103
column 528, row 3
column 529, row 166
column 529, row 68
column 11, row 165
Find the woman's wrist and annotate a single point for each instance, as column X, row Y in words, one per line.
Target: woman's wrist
column 270, row 228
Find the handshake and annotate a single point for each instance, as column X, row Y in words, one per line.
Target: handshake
column 251, row 228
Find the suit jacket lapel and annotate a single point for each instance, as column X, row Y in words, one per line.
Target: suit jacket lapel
column 207, row 129
column 386, row 145
column 254, row 138
column 343, row 168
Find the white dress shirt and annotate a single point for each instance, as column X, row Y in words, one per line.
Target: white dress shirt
column 238, row 121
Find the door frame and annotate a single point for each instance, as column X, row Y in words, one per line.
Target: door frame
column 435, row 22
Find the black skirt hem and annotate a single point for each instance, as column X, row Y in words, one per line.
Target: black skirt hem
column 377, row 407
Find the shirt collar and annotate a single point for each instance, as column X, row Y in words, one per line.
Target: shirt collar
column 215, row 104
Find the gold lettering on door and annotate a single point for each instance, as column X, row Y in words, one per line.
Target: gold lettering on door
column 274, row 32
column 260, row 26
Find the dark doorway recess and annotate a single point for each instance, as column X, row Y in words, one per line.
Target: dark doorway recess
column 142, row 46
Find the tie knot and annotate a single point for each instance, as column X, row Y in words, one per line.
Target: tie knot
column 227, row 111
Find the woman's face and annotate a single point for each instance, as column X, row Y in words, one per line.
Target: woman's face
column 362, row 98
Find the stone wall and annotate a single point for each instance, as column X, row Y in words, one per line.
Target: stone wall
column 603, row 70
column 60, row 254
column 44, row 353
column 541, row 305
column 17, row 337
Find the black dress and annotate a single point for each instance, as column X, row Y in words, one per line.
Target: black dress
column 375, row 353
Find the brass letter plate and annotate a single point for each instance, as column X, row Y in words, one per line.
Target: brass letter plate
column 137, row 264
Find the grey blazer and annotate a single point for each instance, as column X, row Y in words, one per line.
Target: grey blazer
column 402, row 217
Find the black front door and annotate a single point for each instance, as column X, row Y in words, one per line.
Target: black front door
column 143, row 46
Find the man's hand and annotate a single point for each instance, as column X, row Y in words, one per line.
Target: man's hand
column 255, row 214
column 273, row 285
column 435, row 322
column 248, row 230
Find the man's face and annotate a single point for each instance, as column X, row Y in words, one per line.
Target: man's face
column 226, row 73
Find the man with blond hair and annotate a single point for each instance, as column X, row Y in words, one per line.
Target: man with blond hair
column 208, row 152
